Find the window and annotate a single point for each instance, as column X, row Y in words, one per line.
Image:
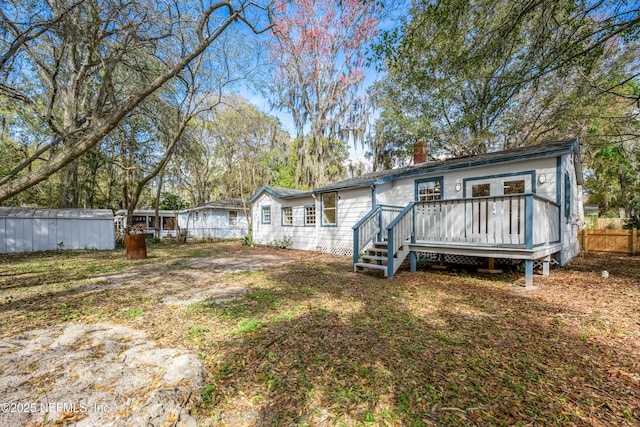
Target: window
column 266, row 214
column 287, row 216
column 139, row 222
column 310, row 215
column 233, row 218
column 514, row 187
column 567, row 196
column 168, row 223
column 481, row 190
column 204, row 217
column 430, row 189
column 195, row 216
column 329, row 208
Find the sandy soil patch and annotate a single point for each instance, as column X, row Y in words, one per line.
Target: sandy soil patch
column 99, row 374
column 113, row 375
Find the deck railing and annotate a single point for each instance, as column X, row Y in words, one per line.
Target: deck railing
column 373, row 227
column 501, row 220
column 399, row 231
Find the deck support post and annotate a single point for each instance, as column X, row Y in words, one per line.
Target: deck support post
column 545, row 265
column 356, row 248
column 528, row 273
column 390, row 253
column 413, row 261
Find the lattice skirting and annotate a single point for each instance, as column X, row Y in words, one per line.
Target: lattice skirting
column 336, row 248
column 470, row 260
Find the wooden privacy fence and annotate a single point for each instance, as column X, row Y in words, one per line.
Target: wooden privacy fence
column 625, row 242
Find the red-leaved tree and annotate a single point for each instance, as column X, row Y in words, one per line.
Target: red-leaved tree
column 318, row 68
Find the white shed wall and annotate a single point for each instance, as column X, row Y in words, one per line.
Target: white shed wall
column 28, row 233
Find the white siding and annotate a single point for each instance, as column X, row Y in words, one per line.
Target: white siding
column 569, row 226
column 302, row 236
column 352, row 204
column 213, row 223
column 402, row 191
column 27, row 230
column 338, row 239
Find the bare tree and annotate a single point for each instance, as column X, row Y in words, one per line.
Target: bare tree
column 71, row 66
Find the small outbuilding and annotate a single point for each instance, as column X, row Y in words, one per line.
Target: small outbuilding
column 220, row 219
column 34, row 229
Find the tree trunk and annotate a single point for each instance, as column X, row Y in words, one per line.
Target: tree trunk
column 156, row 218
column 69, row 186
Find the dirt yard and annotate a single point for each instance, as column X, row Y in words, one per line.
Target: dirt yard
column 105, row 373
column 220, row 334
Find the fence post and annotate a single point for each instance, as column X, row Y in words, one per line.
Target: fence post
column 634, row 240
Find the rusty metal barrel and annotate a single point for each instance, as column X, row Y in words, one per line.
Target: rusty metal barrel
column 136, row 246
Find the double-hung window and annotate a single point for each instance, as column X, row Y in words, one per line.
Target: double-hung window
column 266, row 214
column 329, row 208
column 287, row 216
column 429, row 189
column 233, row 218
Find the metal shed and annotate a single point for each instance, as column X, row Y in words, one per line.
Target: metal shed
column 29, row 229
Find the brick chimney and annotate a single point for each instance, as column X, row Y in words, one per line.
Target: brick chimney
column 419, row 152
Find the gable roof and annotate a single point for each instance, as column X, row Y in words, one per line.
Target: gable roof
column 548, row 149
column 220, row 204
column 279, row 192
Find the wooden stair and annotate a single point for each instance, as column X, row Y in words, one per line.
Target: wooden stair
column 375, row 258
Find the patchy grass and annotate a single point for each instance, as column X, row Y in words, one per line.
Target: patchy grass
column 311, row 343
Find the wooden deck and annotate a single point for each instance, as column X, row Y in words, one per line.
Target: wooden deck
column 523, row 226
column 489, row 251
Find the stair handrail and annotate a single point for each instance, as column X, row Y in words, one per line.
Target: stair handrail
column 394, row 239
column 359, row 240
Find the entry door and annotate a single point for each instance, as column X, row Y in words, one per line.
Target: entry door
column 492, row 217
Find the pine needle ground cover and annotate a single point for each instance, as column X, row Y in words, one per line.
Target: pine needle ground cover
column 295, row 338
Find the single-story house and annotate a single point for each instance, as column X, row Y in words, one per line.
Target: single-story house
column 35, row 229
column 517, row 204
column 222, row 219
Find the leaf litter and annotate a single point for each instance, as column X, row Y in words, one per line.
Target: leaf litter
column 304, row 341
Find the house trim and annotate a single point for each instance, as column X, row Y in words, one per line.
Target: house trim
column 445, row 168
